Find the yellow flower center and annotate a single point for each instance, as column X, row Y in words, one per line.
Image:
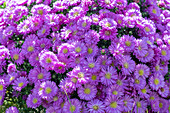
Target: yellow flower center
column 119, row 21
column 37, row 58
column 91, row 65
column 55, row 98
column 16, row 56
column 40, row 76
column 128, row 43
column 119, row 82
column 107, row 33
column 0, row 97
column 147, row 29
column 43, row 31
column 154, row 11
column 107, row 2
column 114, row 92
column 126, row 65
column 93, row 77
column 143, row 90
column 87, row 91
column 141, row 72
column 163, row 52
column 11, row 16
column 75, row 14
column 42, row 45
column 1, row 87
column 139, row 48
column 12, row 78
column 72, row 108
column 125, row 103
column 48, row 90
column 104, row 62
column 90, row 50
column 157, row 68
column 78, row 49
column 162, row 89
column 152, row 98
column 137, row 81
column 21, row 84
column 156, row 81
column 25, row 27
column 48, row 60
column 95, row 107
column 40, row 12
column 138, row 104
column 108, row 75
column 160, row 105
column 84, row 24
column 80, row 74
column 74, row 80
column 35, row 100
column 113, row 105
column 107, row 24
column 65, row 50
column 30, row 49
column 95, row 19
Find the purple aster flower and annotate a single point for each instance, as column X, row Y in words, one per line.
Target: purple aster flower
column 119, row 20
column 144, row 92
column 4, row 53
column 84, row 23
column 39, row 74
column 148, row 56
column 164, row 52
column 59, row 67
column 139, row 83
column 129, row 21
column 73, row 108
column 64, row 50
column 140, row 106
column 51, row 20
column 121, row 3
column 91, row 65
column 34, row 59
column 75, row 61
column 164, row 91
column 9, row 31
column 107, row 34
column 141, row 48
column 133, row 13
column 127, row 103
column 154, row 11
column 36, row 22
column 66, row 32
column 108, row 23
column 52, row 109
column 149, row 28
column 20, row 11
column 91, row 37
column 49, row 89
column 87, row 92
column 17, row 56
column 108, row 76
column 92, row 50
column 12, row 109
column 115, row 90
column 47, row 60
column 156, row 81
column 116, row 49
column 113, row 104
column 104, row 61
column 11, row 68
column 107, row 3
column 43, row 43
column 76, row 13
column 44, row 31
column 128, row 42
column 163, row 105
column 2, row 96
column 20, row 83
column 78, row 48
column 96, row 106
column 133, row 5
column 24, row 27
column 95, row 19
column 33, row 101
column 128, row 65
column 60, row 6
column 2, row 85
column 40, row 9
column 10, row 78
column 142, row 70
column 73, row 3
column 93, row 78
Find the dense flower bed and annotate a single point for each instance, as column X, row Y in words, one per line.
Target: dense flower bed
column 84, row 56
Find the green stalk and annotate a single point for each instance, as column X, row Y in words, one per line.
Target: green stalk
column 68, row 100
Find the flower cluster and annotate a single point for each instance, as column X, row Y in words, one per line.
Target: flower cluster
column 83, row 56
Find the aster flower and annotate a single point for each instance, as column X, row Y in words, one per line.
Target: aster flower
column 107, row 34
column 43, row 43
column 36, row 22
column 49, row 89
column 92, row 50
column 139, row 82
column 164, row 52
column 127, row 103
column 148, row 56
column 164, row 91
column 149, row 28
column 20, row 83
column 91, row 65
column 95, row 19
column 2, row 85
column 87, row 92
column 76, row 13
column 16, row 55
column 129, row 21
column 73, row 108
column 115, row 90
column 9, row 31
column 24, row 27
column 60, row 5
column 156, row 81
column 12, row 109
column 84, row 23
column 47, row 60
column 142, row 70
column 154, row 11
column 128, row 42
column 163, row 105
column 10, row 78
column 133, row 13
column 91, row 37
column 104, row 61
column 121, row 4
column 140, row 106
column 4, row 53
column 2, row 96
column 64, row 49
column 108, row 23
column 20, row 11
column 113, row 104
column 108, row 76
column 39, row 74
column 141, row 48
column 51, row 20
column 59, row 67
column 34, row 59
column 33, row 101
column 75, row 61
column 128, row 65
column 144, row 92
column 44, row 31
column 107, row 3
column 96, row 106
column 52, row 109
column 40, row 9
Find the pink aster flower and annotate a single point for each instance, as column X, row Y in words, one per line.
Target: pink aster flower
column 20, row 83
column 156, row 81
column 40, row 9
column 33, row 101
column 44, row 31
column 73, row 108
column 113, row 104
column 108, row 23
column 59, row 67
column 108, row 76
column 96, row 106
column 107, row 3
column 49, row 89
column 47, row 59
column 87, row 92
column 84, row 23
